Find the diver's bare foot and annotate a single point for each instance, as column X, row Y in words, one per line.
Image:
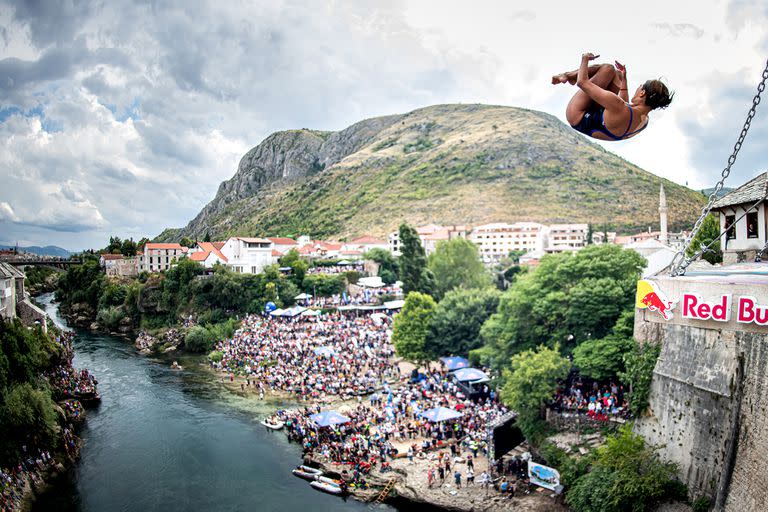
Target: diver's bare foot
column 562, row 78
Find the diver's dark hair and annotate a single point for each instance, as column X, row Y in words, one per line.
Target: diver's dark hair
column 657, row 94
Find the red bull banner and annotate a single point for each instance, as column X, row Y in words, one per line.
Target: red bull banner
column 695, row 307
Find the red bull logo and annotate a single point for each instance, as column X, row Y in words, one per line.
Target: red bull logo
column 651, row 298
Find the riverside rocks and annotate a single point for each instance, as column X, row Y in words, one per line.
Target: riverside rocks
column 171, row 340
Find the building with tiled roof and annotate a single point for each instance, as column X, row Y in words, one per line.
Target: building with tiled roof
column 742, row 215
column 158, row 257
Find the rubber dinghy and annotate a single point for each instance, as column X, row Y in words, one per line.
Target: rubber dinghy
column 273, row 426
column 326, row 487
column 307, row 473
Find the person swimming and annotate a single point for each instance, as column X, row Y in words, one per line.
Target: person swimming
column 601, row 108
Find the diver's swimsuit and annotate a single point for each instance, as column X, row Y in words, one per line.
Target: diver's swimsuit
column 592, row 122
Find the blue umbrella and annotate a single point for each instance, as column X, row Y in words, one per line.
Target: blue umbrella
column 440, row 414
column 324, row 351
column 454, row 363
column 328, row 418
column 470, row 375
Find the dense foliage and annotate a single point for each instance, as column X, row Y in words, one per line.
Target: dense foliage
column 456, row 264
column 40, row 279
column 411, row 327
column 27, row 411
column 640, row 362
column 568, row 299
column 532, row 378
column 626, row 475
column 603, row 358
column 414, row 274
column 388, row 267
column 458, row 318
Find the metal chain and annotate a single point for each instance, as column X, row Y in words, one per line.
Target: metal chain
column 681, row 262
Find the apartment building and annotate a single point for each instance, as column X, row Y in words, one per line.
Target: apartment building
column 158, row 257
column 430, row 235
column 567, row 237
column 495, row 241
column 247, row 255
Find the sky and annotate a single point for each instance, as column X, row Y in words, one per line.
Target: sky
column 122, row 117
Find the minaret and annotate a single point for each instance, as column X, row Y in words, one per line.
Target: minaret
column 663, row 237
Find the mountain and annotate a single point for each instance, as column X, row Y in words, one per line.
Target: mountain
column 447, row 164
column 48, row 250
column 723, row 191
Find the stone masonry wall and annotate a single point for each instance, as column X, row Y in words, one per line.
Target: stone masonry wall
column 708, row 407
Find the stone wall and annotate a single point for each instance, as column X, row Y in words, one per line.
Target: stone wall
column 708, row 406
column 29, row 314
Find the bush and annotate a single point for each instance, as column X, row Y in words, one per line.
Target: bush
column 323, row 285
column 352, row 276
column 110, row 317
column 198, row 339
column 626, row 475
column 28, row 417
column 640, row 363
column 216, row 356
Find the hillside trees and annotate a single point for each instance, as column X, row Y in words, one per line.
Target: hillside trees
column 456, row 264
column 414, row 274
column 411, row 327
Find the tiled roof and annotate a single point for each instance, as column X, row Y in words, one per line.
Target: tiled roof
column 199, row 255
column 369, row 240
column 283, row 241
column 219, row 245
column 150, row 245
column 211, row 247
column 749, row 192
column 276, row 253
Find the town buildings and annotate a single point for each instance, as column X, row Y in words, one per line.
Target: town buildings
column 119, row 265
column 430, row 235
column 208, row 254
column 495, row 241
column 159, row 256
column 247, row 255
column 15, row 301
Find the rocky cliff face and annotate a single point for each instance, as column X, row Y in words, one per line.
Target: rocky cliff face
column 453, row 164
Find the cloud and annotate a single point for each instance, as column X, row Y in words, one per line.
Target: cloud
column 680, row 29
column 6, row 212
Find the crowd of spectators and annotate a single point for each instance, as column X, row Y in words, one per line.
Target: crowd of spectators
column 313, row 358
column 597, row 401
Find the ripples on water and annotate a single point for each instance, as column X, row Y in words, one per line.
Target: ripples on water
column 176, row 440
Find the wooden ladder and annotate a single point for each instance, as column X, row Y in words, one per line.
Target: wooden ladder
column 384, row 493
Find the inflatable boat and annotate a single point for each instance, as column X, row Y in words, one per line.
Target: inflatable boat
column 326, row 487
column 307, row 473
column 273, row 426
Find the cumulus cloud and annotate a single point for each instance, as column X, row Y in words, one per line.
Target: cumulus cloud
column 123, row 117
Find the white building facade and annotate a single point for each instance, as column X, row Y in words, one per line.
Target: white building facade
column 567, row 237
column 247, row 255
column 495, row 241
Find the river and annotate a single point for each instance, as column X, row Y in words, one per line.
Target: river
column 175, row 440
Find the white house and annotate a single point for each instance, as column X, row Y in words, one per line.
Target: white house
column 247, row 255
column 743, row 213
column 567, row 237
column 208, row 254
column 11, row 290
column 430, row 235
column 160, row 256
column 283, row 244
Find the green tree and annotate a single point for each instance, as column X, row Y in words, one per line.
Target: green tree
column 128, row 247
column 626, row 476
column 298, row 265
column 590, row 233
column 456, row 264
column 207, row 237
column 186, row 242
column 141, row 243
column 603, row 358
column 414, row 274
column 532, row 378
column 114, row 246
column 388, row 267
column 457, row 321
column 640, row 362
column 709, row 232
column 324, row 285
column 411, row 327
column 568, row 299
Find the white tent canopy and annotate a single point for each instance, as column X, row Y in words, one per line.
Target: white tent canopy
column 370, row 282
column 303, row 296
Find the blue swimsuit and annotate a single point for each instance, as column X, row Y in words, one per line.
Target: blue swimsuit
column 592, row 122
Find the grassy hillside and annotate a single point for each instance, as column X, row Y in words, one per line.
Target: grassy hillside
column 464, row 164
